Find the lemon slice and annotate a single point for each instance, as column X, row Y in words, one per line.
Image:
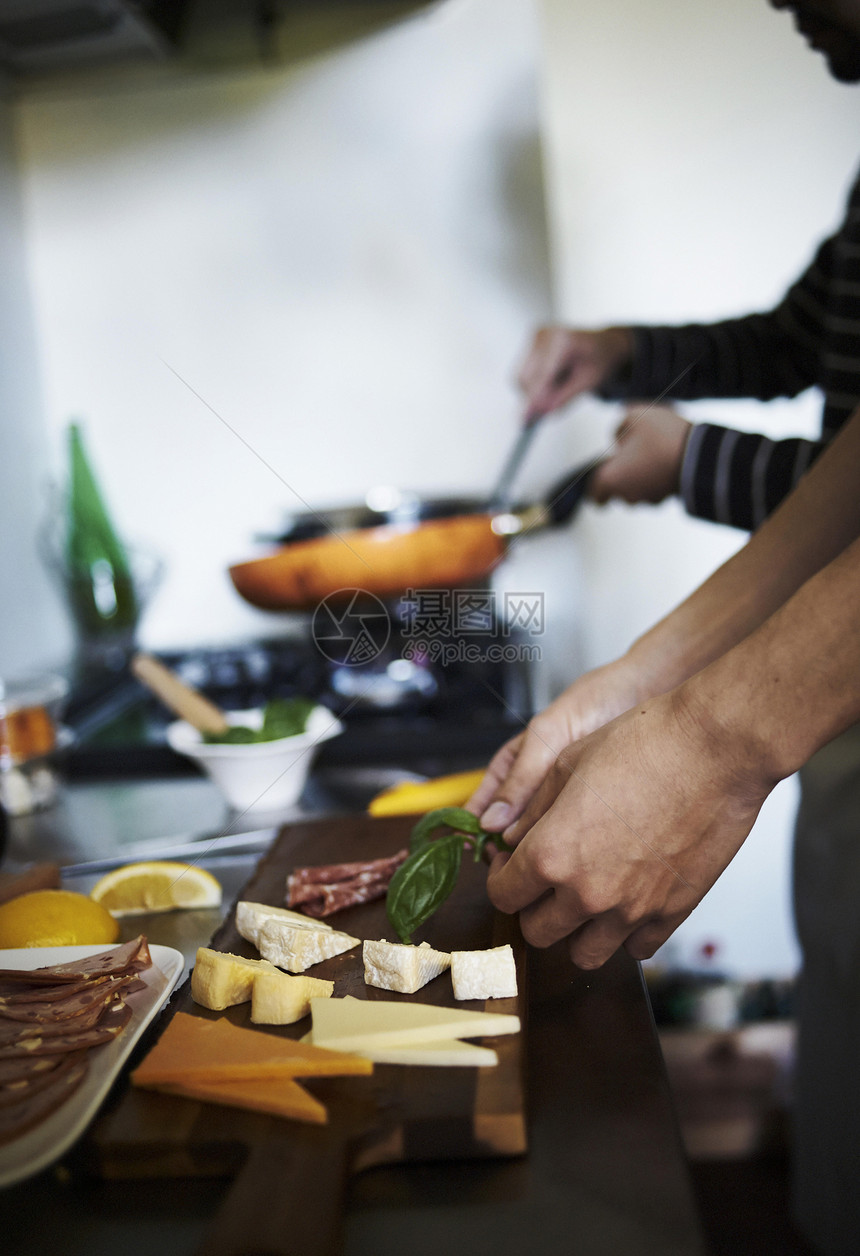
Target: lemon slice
column 156, row 885
column 55, row 918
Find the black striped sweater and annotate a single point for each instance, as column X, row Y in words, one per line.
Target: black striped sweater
column 812, row 338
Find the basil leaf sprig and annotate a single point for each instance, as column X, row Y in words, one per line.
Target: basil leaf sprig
column 282, row 717
column 428, row 875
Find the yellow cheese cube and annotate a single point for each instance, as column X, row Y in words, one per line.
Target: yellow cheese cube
column 221, row 980
column 279, row 999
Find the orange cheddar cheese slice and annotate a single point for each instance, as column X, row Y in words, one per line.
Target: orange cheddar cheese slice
column 194, row 1050
column 277, row 1096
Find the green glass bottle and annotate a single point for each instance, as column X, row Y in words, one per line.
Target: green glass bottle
column 98, row 570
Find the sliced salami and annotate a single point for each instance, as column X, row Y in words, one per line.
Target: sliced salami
column 324, row 890
column 327, row 874
column 334, row 898
column 22, row 1116
column 307, row 892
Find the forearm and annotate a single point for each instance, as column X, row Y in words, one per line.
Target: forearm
column 811, row 527
column 793, row 684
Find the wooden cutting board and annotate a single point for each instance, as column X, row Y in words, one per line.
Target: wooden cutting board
column 290, row 1178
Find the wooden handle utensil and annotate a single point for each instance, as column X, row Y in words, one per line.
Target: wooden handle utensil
column 184, row 701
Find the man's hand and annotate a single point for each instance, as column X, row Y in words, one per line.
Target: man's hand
column 518, row 769
column 629, row 830
column 564, row 362
column 645, row 465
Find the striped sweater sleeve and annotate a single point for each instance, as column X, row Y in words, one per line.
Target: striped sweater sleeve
column 728, row 476
column 738, row 478
column 776, row 354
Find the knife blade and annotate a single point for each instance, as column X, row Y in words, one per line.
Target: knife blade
column 167, row 848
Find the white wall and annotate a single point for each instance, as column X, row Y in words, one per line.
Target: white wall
column 33, row 629
column 339, row 256
column 694, row 154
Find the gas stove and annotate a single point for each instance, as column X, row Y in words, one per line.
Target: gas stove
column 401, row 709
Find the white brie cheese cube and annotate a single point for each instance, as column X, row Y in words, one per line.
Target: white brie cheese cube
column 250, row 918
column 395, row 966
column 488, row 974
column 296, row 948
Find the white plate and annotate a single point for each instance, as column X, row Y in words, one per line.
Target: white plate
column 42, row 1145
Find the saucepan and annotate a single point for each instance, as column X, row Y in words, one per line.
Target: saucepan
column 443, row 543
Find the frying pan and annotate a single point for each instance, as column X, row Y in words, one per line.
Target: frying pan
column 386, row 560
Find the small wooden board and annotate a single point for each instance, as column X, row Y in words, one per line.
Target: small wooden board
column 287, row 1171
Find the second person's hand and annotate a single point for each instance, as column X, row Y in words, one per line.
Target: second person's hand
column 645, row 464
column 563, row 362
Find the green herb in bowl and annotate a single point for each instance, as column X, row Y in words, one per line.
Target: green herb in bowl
column 282, row 717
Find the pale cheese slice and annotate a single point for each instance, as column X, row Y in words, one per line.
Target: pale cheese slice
column 280, row 999
column 394, row 966
column 490, row 974
column 222, row 980
column 447, row 1052
column 250, row 918
column 296, row 948
column 356, row 1024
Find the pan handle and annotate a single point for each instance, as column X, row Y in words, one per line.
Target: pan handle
column 565, row 497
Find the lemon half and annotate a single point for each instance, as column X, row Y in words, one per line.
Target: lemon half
column 55, row 918
column 156, row 885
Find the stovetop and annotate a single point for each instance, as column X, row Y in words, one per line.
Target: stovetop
column 421, row 716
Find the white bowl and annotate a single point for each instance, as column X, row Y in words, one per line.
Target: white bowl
column 262, row 775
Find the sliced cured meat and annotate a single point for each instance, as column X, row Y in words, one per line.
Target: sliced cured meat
column 129, row 957
column 334, row 898
column 26, row 1066
column 326, row 874
column 22, row 1116
column 49, row 1019
column 113, row 1020
column 12, row 994
column 307, row 892
column 324, row 890
column 75, row 1005
column 24, row 1087
column 14, row 1031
